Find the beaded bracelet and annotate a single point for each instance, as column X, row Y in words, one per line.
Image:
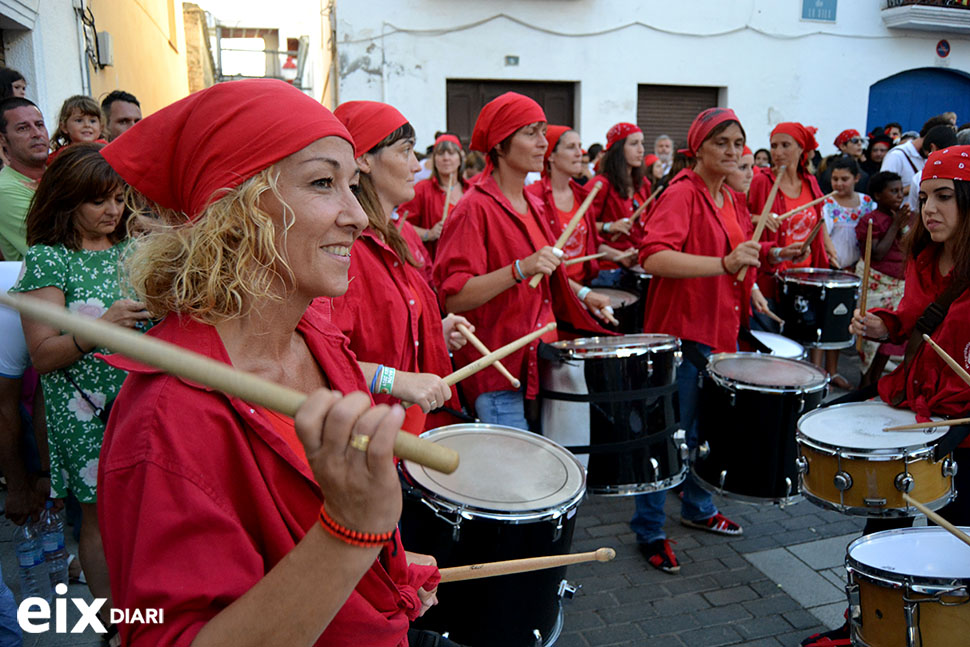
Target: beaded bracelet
column 387, row 380
column 518, row 270
column 377, row 374
column 353, row 537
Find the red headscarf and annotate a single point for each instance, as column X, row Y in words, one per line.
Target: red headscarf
column 746, row 151
column 650, row 160
column 189, row 154
column 845, row 136
column 501, row 117
column 803, row 135
column 553, row 133
column 369, row 122
column 951, row 163
column 703, row 124
column 447, row 138
column 620, row 132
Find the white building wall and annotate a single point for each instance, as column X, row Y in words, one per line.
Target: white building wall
column 771, row 65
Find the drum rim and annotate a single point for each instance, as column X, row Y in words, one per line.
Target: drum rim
column 729, row 382
column 862, row 452
column 470, row 511
column 572, row 346
column 794, row 274
column 774, row 335
column 854, row 565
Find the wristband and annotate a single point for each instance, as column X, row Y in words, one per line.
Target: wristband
column 78, row 346
column 775, row 254
column 606, row 227
column 518, row 270
column 583, row 291
column 386, row 382
column 353, row 537
column 724, row 265
column 373, row 382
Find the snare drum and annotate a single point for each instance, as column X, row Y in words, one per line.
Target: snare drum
column 626, row 309
column 611, row 400
column 817, row 306
column 780, row 345
column 909, row 588
column 514, row 495
column 848, row 463
column 749, row 407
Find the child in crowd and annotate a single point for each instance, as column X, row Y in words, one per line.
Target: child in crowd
column 79, row 121
column 890, row 222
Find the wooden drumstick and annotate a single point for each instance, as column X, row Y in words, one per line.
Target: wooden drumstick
column 191, row 366
column 937, row 519
column 512, row 566
column 491, row 358
column 929, row 425
column 807, row 205
column 811, row 238
column 864, row 295
column 949, row 360
column 771, row 315
column 583, row 259
column 483, row 349
column 568, row 231
column 763, row 218
column 444, row 210
column 646, row 203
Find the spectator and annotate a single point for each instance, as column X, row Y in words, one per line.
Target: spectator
column 596, row 153
column 879, row 145
column 474, row 165
column 893, row 130
column 963, row 136
column 762, row 158
column 12, row 83
column 850, row 144
column 24, row 137
column 121, row 111
column 938, row 138
column 76, row 229
column 663, row 148
column 79, row 121
column 906, row 159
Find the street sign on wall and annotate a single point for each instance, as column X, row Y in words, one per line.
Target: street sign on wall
column 821, row 10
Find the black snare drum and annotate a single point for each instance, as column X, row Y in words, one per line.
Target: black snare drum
column 514, row 495
column 749, row 409
column 817, row 306
column 626, row 309
column 612, row 398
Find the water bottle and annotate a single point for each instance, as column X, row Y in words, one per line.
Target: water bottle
column 51, row 530
column 34, row 581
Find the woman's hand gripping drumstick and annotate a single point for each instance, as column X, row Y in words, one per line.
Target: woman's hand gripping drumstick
column 202, row 370
column 864, row 296
column 512, row 566
column 568, row 231
column 937, row 519
column 483, row 349
column 811, row 237
column 763, row 218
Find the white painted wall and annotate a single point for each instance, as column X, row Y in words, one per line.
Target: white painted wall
column 772, row 65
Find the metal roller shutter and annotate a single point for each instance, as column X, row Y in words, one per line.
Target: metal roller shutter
column 669, row 110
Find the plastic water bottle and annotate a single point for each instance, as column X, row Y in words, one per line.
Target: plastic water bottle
column 51, row 530
column 34, row 580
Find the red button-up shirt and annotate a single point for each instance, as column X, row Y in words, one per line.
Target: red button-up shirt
column 199, row 497
column 708, row 309
column 930, row 387
column 482, row 235
column 611, row 206
column 427, row 206
column 584, row 239
column 391, row 317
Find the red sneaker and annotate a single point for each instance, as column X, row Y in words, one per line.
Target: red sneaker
column 660, row 555
column 718, row 524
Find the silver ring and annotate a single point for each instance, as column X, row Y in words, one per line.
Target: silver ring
column 434, row 403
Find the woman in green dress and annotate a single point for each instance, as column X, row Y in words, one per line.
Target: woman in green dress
column 76, row 230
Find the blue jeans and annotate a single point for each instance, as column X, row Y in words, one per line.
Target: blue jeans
column 697, row 505
column 502, row 408
column 607, row 278
column 10, row 634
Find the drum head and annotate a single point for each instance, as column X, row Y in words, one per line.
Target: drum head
column 929, row 553
column 780, row 345
column 755, row 369
column 502, row 470
column 618, row 298
column 816, row 276
column 859, row 425
column 622, row 346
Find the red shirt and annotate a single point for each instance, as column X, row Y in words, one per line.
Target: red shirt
column 390, row 316
column 610, row 207
column 485, row 234
column 425, row 209
column 199, row 497
column 892, row 263
column 932, row 387
column 584, row 239
column 416, row 245
column 709, row 309
column 788, row 231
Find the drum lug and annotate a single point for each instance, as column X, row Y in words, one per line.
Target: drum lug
column 721, row 480
column 855, row 604
column 904, row 482
column 454, row 523
column 822, row 296
column 874, row 503
column 949, row 467
column 913, row 638
column 567, row 591
column 656, row 468
column 787, row 487
column 734, row 397
column 801, row 464
column 703, row 450
column 684, row 452
column 801, row 402
column 678, row 357
column 538, row 636
column 649, row 366
column 557, row 531
column 818, row 335
column 842, row 481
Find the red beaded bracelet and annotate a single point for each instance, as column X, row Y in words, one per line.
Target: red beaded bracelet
column 353, row 537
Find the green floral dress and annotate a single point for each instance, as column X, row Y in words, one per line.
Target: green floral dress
column 90, row 282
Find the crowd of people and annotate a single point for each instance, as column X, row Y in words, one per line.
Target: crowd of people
column 320, row 263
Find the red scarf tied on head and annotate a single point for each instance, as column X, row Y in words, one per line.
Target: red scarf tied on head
column 620, row 132
column 702, row 126
column 803, row 135
column 369, row 122
column 746, row 151
column 553, row 133
column 189, row 154
column 447, row 138
column 650, row 160
column 845, row 136
column 951, row 163
column 500, row 118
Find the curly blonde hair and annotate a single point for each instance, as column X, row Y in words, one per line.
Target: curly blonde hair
column 215, row 267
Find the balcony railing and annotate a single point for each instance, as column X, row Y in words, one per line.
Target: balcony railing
column 939, row 16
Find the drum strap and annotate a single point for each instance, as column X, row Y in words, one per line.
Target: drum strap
column 649, row 395
column 694, row 356
column 626, row 445
column 950, row 441
column 929, row 321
